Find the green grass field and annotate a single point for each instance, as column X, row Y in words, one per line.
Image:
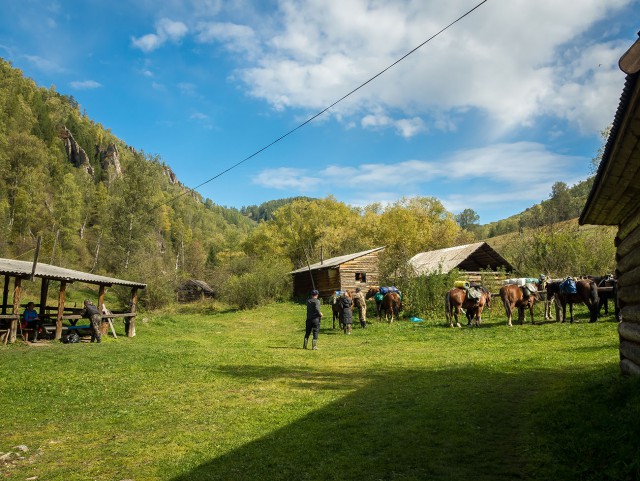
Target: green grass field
column 231, row 395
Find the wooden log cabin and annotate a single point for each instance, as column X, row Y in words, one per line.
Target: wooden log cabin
column 14, row 273
column 615, row 200
column 338, row 274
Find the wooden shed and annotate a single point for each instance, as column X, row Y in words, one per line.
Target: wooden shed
column 19, row 271
column 194, row 290
column 338, row 274
column 470, row 258
column 615, row 200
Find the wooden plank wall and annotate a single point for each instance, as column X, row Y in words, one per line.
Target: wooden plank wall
column 321, row 277
column 367, row 264
column 628, row 275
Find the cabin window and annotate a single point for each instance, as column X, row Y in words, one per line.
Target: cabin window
column 361, row 277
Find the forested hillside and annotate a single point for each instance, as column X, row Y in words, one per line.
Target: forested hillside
column 104, row 207
column 99, row 204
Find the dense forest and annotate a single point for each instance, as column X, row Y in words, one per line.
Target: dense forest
column 104, row 207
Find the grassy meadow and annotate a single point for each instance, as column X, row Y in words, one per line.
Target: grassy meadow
column 203, row 393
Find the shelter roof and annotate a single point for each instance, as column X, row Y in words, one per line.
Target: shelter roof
column 335, row 261
column 616, row 189
column 201, row 284
column 46, row 271
column 469, row 257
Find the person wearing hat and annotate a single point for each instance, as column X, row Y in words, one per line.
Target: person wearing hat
column 313, row 320
column 360, row 303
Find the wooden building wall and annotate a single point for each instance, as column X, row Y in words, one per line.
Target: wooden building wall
column 338, row 278
column 367, row 264
column 628, row 275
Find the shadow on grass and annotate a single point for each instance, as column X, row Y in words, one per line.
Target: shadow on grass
column 453, row 424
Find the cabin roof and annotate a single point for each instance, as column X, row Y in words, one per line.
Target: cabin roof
column 18, row 268
column 200, row 284
column 335, row 261
column 616, row 189
column 469, row 257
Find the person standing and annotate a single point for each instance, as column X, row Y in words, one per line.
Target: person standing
column 92, row 313
column 313, row 320
column 347, row 316
column 361, row 304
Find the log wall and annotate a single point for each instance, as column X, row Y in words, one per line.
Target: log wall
column 628, row 274
column 339, row 278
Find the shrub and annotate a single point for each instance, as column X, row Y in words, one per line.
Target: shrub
column 423, row 296
column 267, row 281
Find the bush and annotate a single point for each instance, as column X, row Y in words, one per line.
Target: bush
column 267, row 281
column 423, row 296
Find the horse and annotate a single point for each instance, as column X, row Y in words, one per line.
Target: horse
column 610, row 293
column 456, row 299
column 513, row 296
column 371, row 292
column 391, row 304
column 586, row 292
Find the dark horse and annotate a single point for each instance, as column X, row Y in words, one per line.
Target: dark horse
column 514, row 296
column 587, row 293
column 457, row 299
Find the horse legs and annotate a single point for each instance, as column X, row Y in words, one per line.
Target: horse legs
column 456, row 313
column 571, row 310
column 521, row 314
column 531, row 312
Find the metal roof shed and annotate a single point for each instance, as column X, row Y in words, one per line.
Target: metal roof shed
column 19, row 270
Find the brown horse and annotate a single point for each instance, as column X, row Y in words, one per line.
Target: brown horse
column 513, row 296
column 586, row 292
column 391, row 305
column 456, row 299
column 371, row 292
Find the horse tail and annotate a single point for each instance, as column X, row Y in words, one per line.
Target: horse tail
column 504, row 295
column 447, row 306
column 594, row 309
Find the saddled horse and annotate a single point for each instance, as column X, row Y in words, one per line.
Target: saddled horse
column 391, row 305
column 609, row 291
column 586, row 292
column 371, row 293
column 457, row 299
column 514, row 296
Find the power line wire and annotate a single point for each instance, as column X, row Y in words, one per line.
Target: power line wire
column 313, row 117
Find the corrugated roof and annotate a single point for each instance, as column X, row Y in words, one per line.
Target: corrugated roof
column 23, row 268
column 469, row 257
column 336, row 261
column 615, row 190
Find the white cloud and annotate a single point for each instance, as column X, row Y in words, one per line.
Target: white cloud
column 166, row 30
column 85, row 85
column 199, row 116
column 236, row 38
column 286, row 178
column 498, row 61
column 46, row 65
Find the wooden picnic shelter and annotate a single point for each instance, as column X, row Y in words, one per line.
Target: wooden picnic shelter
column 19, row 271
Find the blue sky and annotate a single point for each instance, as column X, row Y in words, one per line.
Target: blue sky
column 488, row 115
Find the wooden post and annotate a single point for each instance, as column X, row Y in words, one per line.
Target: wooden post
column 16, row 310
column 5, row 293
column 104, row 325
column 44, row 290
column 61, row 297
column 131, row 321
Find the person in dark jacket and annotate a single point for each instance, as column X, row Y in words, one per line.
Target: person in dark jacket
column 347, row 315
column 313, row 320
column 92, row 313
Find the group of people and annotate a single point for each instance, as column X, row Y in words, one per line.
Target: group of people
column 31, row 320
column 346, row 314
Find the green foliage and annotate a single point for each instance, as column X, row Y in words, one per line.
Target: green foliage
column 561, row 250
column 266, row 281
column 265, row 211
column 423, row 296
